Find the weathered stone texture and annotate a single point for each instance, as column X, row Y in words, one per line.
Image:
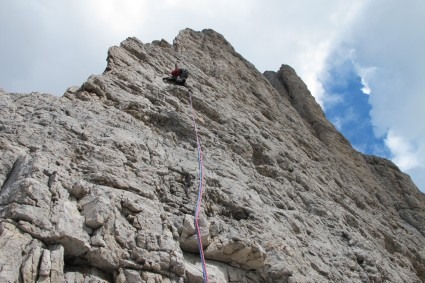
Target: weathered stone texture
column 100, row 185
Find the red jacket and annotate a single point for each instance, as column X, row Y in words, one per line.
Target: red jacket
column 176, row 72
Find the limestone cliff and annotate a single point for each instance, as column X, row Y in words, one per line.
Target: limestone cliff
column 100, row 185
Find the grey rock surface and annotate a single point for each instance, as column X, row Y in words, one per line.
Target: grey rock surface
column 100, row 185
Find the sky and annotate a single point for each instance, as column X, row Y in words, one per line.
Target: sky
column 363, row 60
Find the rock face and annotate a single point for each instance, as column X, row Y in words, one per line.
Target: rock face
column 100, row 185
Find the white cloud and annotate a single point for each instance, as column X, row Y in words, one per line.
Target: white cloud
column 405, row 154
column 365, row 89
column 365, row 75
column 116, row 16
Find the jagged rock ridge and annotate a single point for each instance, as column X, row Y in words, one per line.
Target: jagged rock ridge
column 100, row 185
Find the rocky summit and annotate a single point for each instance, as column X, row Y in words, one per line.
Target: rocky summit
column 101, row 184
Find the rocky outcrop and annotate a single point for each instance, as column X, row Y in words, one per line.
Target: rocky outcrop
column 100, row 185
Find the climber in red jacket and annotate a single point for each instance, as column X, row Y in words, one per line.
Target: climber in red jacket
column 179, row 75
column 176, row 72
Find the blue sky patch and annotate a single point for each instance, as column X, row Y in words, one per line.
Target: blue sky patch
column 348, row 108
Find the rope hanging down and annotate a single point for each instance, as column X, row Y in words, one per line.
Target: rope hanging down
column 200, row 191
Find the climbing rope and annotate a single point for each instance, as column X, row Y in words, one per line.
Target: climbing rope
column 200, row 191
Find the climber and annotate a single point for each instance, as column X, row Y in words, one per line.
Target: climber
column 178, row 76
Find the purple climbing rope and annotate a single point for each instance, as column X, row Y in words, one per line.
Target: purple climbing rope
column 200, row 191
